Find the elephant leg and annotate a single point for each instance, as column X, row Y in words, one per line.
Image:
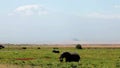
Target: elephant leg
column 68, row 60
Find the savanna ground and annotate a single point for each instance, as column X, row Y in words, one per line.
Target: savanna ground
column 41, row 56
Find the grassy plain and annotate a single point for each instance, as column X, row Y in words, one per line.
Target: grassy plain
column 92, row 56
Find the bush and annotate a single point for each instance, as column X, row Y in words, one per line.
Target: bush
column 55, row 48
column 56, row 51
column 79, row 46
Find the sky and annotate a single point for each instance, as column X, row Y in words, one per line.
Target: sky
column 60, row 21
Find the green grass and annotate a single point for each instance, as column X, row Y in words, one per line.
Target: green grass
column 44, row 58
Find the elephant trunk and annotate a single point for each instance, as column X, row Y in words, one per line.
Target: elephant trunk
column 61, row 59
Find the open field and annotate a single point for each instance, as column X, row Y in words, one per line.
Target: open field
column 92, row 56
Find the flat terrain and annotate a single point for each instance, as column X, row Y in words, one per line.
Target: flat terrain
column 41, row 56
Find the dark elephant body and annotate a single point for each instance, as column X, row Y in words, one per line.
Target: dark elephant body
column 70, row 57
column 1, row 46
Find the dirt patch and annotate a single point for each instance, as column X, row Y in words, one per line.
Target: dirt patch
column 11, row 66
column 101, row 46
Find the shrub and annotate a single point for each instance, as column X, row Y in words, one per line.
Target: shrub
column 56, row 51
column 79, row 46
column 55, row 48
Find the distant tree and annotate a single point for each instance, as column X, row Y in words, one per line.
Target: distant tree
column 79, row 46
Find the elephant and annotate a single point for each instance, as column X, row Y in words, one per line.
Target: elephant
column 69, row 57
column 1, row 46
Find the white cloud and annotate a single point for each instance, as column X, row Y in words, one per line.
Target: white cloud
column 103, row 16
column 28, row 10
column 27, row 7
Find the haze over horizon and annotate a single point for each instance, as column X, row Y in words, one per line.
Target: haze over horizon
column 64, row 21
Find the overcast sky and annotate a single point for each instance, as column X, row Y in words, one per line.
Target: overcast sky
column 42, row 21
